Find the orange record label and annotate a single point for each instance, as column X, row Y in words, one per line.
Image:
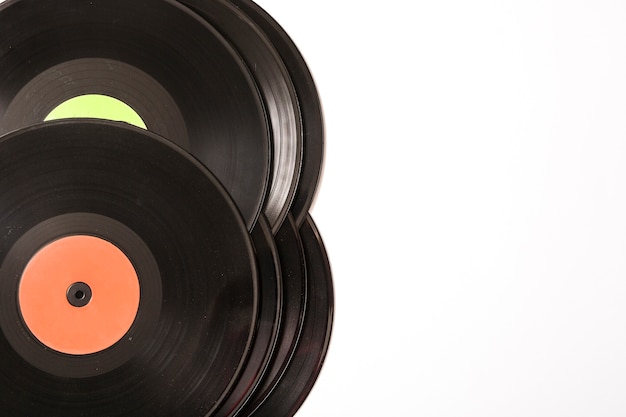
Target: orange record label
column 79, row 295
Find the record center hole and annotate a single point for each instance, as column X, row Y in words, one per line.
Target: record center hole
column 79, row 294
column 96, row 106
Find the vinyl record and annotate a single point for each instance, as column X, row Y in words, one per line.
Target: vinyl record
column 279, row 96
column 71, row 191
column 309, row 105
column 270, row 314
column 306, row 363
column 292, row 262
column 178, row 73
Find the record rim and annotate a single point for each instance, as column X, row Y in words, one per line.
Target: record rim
column 309, row 103
column 291, row 243
column 14, row 135
column 278, row 94
column 262, row 192
column 284, row 400
column 266, row 252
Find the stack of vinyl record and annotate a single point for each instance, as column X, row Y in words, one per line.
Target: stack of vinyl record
column 158, row 160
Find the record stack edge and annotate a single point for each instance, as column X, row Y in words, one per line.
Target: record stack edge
column 159, row 160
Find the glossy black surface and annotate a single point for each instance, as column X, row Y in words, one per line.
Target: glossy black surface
column 309, row 103
column 308, row 358
column 177, row 72
column 191, row 345
column 270, row 314
column 295, row 290
column 221, row 79
column 279, row 97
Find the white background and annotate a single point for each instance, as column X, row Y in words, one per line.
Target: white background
column 473, row 204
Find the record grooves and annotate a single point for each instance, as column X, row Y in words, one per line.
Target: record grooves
column 158, row 258
column 293, row 270
column 304, row 366
column 270, row 317
column 198, row 334
column 148, row 52
column 309, row 105
column 279, row 96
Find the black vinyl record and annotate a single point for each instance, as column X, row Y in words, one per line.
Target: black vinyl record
column 188, row 245
column 270, row 316
column 295, row 290
column 279, row 96
column 308, row 102
column 180, row 75
column 305, row 365
column 209, row 293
